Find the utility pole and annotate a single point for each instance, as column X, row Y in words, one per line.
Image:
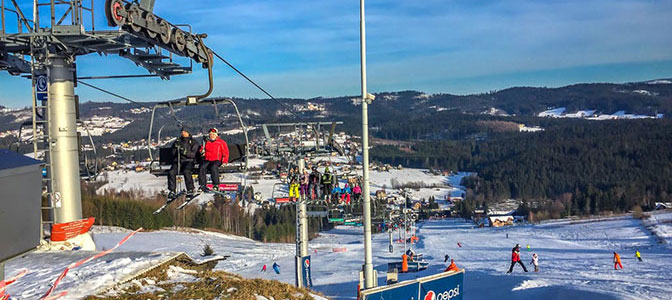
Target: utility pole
column 301, row 236
column 369, row 280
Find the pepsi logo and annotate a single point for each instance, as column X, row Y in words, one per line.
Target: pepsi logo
column 307, row 263
column 446, row 295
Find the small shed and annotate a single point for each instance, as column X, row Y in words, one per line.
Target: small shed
column 20, row 202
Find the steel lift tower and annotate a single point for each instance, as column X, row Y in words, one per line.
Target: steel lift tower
column 44, row 46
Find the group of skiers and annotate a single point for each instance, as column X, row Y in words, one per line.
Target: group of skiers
column 515, row 258
column 315, row 185
column 186, row 151
column 276, row 268
column 617, row 259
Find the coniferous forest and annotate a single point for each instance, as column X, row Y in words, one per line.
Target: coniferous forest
column 579, row 167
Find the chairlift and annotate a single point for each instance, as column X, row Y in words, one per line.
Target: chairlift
column 238, row 153
column 89, row 163
column 280, row 194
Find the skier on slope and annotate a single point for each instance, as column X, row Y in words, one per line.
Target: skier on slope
column 638, row 255
column 617, row 261
column 515, row 258
column 276, row 267
column 535, row 262
column 263, row 269
column 184, row 151
column 215, row 152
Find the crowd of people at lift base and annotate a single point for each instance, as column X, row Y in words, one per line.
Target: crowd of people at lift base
column 315, row 185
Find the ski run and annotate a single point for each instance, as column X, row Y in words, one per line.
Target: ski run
column 575, row 259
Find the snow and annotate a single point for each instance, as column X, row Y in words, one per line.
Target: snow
column 660, row 82
column 531, row 284
column 591, row 115
column 575, row 259
column 89, row 278
column 142, row 183
column 553, row 113
column 147, row 185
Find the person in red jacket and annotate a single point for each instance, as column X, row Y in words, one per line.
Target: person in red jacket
column 215, row 152
column 515, row 258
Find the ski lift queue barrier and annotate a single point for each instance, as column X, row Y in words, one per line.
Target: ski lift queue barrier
column 442, row 286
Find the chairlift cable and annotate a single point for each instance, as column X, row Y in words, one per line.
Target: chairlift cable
column 127, row 99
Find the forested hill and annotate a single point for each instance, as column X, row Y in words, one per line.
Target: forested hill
column 644, row 98
column 581, row 167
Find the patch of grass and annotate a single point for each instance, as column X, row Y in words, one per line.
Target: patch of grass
column 208, row 285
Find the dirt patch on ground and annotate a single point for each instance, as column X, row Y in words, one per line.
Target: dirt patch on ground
column 181, row 281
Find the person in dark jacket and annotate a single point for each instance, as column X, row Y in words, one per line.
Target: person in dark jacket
column 215, row 152
column 327, row 182
column 314, row 184
column 184, row 151
column 515, row 258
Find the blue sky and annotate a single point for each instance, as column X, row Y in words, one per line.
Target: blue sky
column 311, row 48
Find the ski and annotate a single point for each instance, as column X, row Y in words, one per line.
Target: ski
column 216, row 192
column 188, row 200
column 168, row 202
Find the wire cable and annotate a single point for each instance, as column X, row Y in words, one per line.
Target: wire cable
column 129, row 100
column 257, row 86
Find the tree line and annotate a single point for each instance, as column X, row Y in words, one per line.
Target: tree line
column 580, row 167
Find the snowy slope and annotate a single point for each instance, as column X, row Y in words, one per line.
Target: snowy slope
column 575, row 259
column 45, row 267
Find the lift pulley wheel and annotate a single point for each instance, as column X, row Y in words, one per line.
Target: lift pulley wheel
column 134, row 17
column 178, row 40
column 165, row 31
column 116, row 12
column 151, row 25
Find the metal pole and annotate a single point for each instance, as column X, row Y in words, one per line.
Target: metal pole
column 405, row 228
column 303, row 216
column 63, row 140
column 369, row 281
column 301, row 232
column 2, row 271
column 391, row 247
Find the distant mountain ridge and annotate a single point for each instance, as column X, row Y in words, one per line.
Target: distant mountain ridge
column 649, row 98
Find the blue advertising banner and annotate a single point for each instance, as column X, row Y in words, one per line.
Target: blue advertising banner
column 442, row 286
column 305, row 265
column 445, row 288
column 406, row 290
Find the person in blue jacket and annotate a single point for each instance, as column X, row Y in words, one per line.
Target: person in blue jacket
column 276, row 267
column 336, row 193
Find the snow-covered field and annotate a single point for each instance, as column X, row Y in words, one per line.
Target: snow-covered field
column 438, row 186
column 575, row 259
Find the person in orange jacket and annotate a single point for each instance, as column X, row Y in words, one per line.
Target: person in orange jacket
column 617, row 261
column 452, row 267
